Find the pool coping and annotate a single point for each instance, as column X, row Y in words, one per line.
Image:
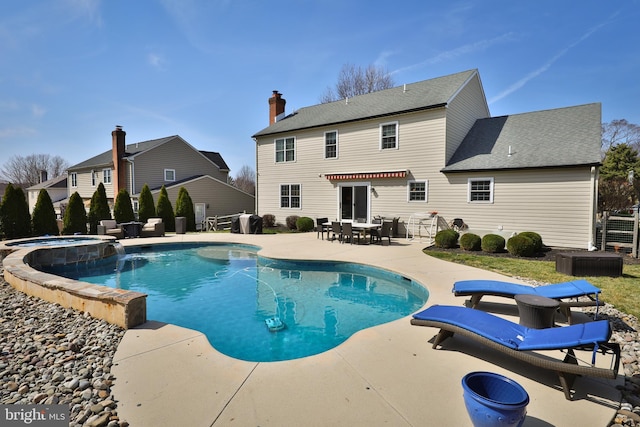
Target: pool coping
column 121, row 307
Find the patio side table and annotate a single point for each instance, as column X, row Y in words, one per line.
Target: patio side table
column 536, row 311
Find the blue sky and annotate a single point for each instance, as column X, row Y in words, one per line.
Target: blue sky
column 70, row 70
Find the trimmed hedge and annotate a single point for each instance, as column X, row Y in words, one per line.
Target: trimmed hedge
column 268, row 220
column 304, row 224
column 492, row 243
column 537, row 240
column 292, row 221
column 470, row 242
column 447, row 239
column 521, row 246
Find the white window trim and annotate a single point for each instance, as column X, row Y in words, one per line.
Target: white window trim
column 397, row 125
column 165, row 175
column 426, row 190
column 280, row 196
column 74, row 179
column 107, row 173
column 337, row 144
column 491, row 190
column 295, row 149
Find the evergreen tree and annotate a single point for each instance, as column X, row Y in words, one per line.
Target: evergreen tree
column 164, row 210
column 43, row 220
column 184, row 207
column 99, row 209
column 146, row 209
column 123, row 209
column 14, row 214
column 619, row 184
column 75, row 216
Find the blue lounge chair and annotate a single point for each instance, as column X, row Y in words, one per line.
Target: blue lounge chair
column 476, row 289
column 521, row 342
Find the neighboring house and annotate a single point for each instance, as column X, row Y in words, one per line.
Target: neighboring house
column 57, row 189
column 432, row 146
column 169, row 161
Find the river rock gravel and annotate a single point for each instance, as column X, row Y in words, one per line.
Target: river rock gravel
column 52, row 355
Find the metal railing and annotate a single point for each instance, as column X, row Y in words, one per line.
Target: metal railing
column 620, row 233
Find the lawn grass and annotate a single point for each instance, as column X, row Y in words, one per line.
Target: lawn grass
column 623, row 292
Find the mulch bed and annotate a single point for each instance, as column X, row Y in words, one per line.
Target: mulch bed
column 548, row 254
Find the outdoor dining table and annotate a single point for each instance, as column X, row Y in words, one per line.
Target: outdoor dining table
column 362, row 227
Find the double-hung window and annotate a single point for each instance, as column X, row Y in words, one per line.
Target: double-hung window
column 94, row 177
column 331, row 144
column 170, row 175
column 389, row 136
column 290, row 196
column 285, row 150
column 417, row 191
column 480, row 190
column 74, row 179
column 106, row 176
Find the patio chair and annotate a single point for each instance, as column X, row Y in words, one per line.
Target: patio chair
column 336, row 230
column 321, row 228
column 521, row 342
column 563, row 292
column 109, row 227
column 348, row 233
column 378, row 235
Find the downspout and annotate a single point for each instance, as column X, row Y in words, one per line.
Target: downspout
column 257, row 179
column 593, row 208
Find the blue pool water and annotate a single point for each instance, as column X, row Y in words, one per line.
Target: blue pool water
column 230, row 294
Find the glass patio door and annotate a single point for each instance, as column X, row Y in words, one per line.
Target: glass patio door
column 354, row 202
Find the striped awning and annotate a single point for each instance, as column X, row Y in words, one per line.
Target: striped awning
column 366, row 175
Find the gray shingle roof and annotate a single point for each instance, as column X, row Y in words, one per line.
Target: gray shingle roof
column 106, row 158
column 418, row 96
column 551, row 138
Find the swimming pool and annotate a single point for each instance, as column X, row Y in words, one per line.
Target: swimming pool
column 232, row 295
column 51, row 241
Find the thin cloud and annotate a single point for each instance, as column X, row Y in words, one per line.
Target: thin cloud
column 459, row 51
column 155, row 60
column 17, row 132
column 38, row 111
column 532, row 75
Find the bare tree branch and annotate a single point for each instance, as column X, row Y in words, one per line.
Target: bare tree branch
column 26, row 170
column 354, row 80
column 245, row 180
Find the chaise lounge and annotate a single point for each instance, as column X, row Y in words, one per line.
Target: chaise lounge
column 521, row 342
column 562, row 292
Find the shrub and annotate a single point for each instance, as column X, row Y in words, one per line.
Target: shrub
column 99, row 209
column 184, row 207
column 291, row 222
column 164, row 210
column 470, row 242
column 14, row 213
column 537, row 240
column 122, row 208
column 146, row 208
column 304, row 224
column 75, row 216
column 43, row 220
column 492, row 243
column 520, row 245
column 268, row 220
column 447, row 239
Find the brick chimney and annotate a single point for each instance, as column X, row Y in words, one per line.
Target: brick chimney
column 276, row 106
column 117, row 137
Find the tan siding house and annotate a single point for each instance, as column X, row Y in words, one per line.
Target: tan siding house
column 169, row 161
column 432, row 146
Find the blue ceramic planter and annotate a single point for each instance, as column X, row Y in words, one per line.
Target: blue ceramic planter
column 494, row 400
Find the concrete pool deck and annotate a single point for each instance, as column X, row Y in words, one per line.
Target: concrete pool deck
column 385, row 375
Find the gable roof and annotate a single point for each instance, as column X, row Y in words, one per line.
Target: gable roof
column 57, row 182
column 131, row 150
column 427, row 94
column 568, row 136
